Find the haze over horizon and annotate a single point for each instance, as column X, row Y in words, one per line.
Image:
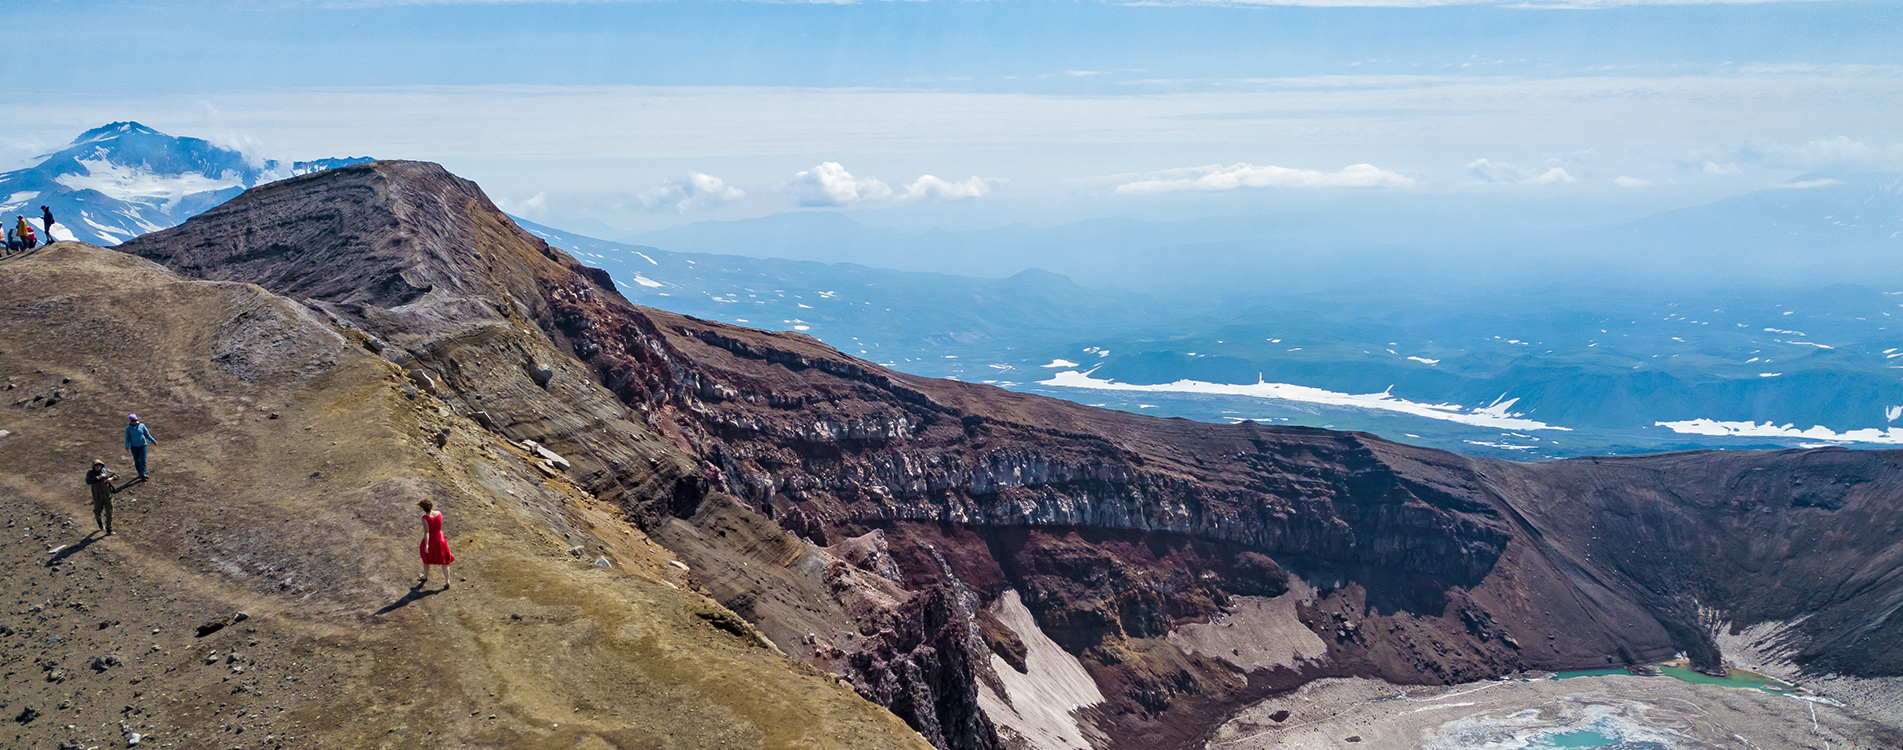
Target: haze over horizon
column 627, row 117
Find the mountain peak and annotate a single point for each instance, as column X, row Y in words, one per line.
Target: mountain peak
column 124, row 179
column 114, row 130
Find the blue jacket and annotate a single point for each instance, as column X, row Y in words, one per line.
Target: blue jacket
column 137, row 436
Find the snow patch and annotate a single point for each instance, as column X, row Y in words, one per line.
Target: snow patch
column 1040, row 703
column 1060, row 363
column 1889, row 436
column 1425, row 361
column 1494, row 415
column 645, row 281
column 129, row 184
column 19, row 199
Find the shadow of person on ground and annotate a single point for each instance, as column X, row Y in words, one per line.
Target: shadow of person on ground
column 129, row 483
column 72, row 549
column 416, row 594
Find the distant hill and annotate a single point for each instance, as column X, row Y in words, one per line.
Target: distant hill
column 121, row 180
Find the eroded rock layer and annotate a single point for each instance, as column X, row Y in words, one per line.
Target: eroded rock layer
column 896, row 530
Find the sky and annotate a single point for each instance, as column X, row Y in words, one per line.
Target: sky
column 617, row 117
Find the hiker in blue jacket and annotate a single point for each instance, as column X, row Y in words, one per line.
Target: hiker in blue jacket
column 137, row 436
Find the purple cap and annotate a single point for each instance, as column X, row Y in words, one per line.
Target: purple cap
column 132, row 417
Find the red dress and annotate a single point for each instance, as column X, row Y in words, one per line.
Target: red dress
column 435, row 546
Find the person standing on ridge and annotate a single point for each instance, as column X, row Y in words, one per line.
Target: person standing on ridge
column 26, row 233
column 100, row 480
column 137, row 436
column 435, row 547
column 46, row 224
column 13, row 240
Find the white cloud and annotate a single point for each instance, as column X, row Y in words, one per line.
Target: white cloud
column 1725, row 168
column 1631, row 182
column 696, row 191
column 1486, row 170
column 829, row 184
column 1808, row 184
column 932, row 187
column 532, row 208
column 1239, row 175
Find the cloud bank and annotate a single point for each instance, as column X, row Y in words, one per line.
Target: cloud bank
column 1216, row 177
column 695, row 191
column 829, row 184
column 1486, row 170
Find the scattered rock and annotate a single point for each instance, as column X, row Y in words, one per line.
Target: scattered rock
column 482, row 418
column 134, row 739
column 603, row 562
column 374, row 344
column 577, row 551
column 1281, row 715
column 103, row 663
column 423, row 380
column 541, row 374
column 214, row 626
column 27, row 715
column 553, row 459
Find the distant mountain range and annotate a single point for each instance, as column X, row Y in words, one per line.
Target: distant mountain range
column 1724, row 325
column 119, row 181
column 1816, row 229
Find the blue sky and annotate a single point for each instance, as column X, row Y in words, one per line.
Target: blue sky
column 973, row 113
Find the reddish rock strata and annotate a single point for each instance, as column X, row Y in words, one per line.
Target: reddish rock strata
column 864, row 518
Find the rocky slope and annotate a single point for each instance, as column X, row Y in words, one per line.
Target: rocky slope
column 1002, row 570
column 258, row 591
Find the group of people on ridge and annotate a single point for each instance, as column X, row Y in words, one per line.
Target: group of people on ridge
column 434, row 549
column 21, row 236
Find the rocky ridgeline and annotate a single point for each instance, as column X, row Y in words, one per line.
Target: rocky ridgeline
column 772, row 463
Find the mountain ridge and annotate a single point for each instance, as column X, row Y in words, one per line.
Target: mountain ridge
column 881, row 526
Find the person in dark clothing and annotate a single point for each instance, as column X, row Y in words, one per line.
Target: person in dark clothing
column 100, row 479
column 46, row 215
column 137, row 436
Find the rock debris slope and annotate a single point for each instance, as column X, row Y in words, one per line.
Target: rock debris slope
column 1003, row 570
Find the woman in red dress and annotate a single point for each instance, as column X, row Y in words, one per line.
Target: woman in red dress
column 435, row 546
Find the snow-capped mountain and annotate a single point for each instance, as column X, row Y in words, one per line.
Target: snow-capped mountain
column 122, row 180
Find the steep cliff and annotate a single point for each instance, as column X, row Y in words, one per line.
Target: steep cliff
column 929, row 540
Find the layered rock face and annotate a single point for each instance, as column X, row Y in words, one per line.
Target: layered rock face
column 963, row 554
